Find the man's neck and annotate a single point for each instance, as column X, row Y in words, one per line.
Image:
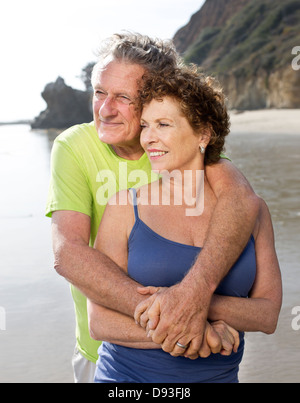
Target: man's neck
column 129, row 153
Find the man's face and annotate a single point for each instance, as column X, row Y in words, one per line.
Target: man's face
column 115, row 116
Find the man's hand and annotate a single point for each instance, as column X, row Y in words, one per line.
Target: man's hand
column 172, row 315
column 218, row 337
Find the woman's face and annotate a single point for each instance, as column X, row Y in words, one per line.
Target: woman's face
column 167, row 137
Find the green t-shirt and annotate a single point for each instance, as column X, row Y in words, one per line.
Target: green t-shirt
column 85, row 173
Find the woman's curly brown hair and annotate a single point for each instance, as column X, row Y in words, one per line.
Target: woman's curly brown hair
column 201, row 101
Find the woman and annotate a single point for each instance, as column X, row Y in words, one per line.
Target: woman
column 160, row 231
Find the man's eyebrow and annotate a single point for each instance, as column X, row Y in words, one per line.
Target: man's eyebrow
column 97, row 87
column 116, row 94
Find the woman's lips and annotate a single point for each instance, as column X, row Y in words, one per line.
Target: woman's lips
column 155, row 154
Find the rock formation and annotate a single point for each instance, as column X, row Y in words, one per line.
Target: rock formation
column 212, row 14
column 247, row 45
column 65, row 107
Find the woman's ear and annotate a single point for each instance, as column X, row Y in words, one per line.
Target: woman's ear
column 204, row 137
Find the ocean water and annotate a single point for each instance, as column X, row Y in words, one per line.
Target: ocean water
column 36, row 310
column 271, row 162
column 39, row 337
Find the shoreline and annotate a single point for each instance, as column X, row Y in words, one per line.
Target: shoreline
column 17, row 122
column 266, row 121
column 38, row 302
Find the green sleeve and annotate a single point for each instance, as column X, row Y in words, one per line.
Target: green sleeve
column 222, row 155
column 69, row 188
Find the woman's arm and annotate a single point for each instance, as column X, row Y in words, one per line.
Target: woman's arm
column 109, row 325
column 114, row 327
column 230, row 227
column 112, row 240
column 259, row 312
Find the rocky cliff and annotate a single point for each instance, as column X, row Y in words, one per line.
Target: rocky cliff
column 214, row 13
column 65, row 107
column 248, row 45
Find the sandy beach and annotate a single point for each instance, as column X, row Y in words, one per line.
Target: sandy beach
column 265, row 146
column 39, row 339
column 267, row 121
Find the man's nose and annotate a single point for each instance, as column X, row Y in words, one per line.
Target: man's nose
column 108, row 107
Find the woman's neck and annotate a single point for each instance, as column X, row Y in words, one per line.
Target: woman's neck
column 185, row 189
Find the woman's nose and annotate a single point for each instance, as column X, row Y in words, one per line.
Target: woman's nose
column 148, row 136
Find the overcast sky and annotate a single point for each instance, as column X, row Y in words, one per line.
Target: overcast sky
column 41, row 40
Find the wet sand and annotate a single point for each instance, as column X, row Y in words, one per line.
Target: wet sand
column 270, row 121
column 265, row 146
column 38, row 342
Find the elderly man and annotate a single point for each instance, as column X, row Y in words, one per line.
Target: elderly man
column 105, row 155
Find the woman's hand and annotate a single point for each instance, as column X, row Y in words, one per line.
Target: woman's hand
column 218, row 338
column 229, row 336
column 141, row 314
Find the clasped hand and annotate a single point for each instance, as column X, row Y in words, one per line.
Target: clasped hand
column 171, row 316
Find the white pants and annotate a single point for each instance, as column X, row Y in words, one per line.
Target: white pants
column 84, row 370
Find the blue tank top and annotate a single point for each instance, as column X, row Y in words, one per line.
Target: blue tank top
column 155, row 260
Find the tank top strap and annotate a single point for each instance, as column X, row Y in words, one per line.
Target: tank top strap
column 134, row 202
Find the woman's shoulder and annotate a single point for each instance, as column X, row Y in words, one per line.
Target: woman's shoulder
column 121, row 198
column 119, row 212
column 124, row 201
column 148, row 194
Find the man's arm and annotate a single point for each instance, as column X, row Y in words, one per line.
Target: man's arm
column 232, row 222
column 91, row 271
column 179, row 313
column 259, row 312
column 107, row 324
column 70, row 201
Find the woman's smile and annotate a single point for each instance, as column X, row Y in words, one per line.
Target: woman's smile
column 155, row 154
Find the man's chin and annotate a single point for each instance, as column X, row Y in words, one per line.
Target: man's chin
column 109, row 136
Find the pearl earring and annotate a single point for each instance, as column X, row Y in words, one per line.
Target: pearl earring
column 202, row 149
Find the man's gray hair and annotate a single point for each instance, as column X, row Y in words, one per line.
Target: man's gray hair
column 151, row 53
